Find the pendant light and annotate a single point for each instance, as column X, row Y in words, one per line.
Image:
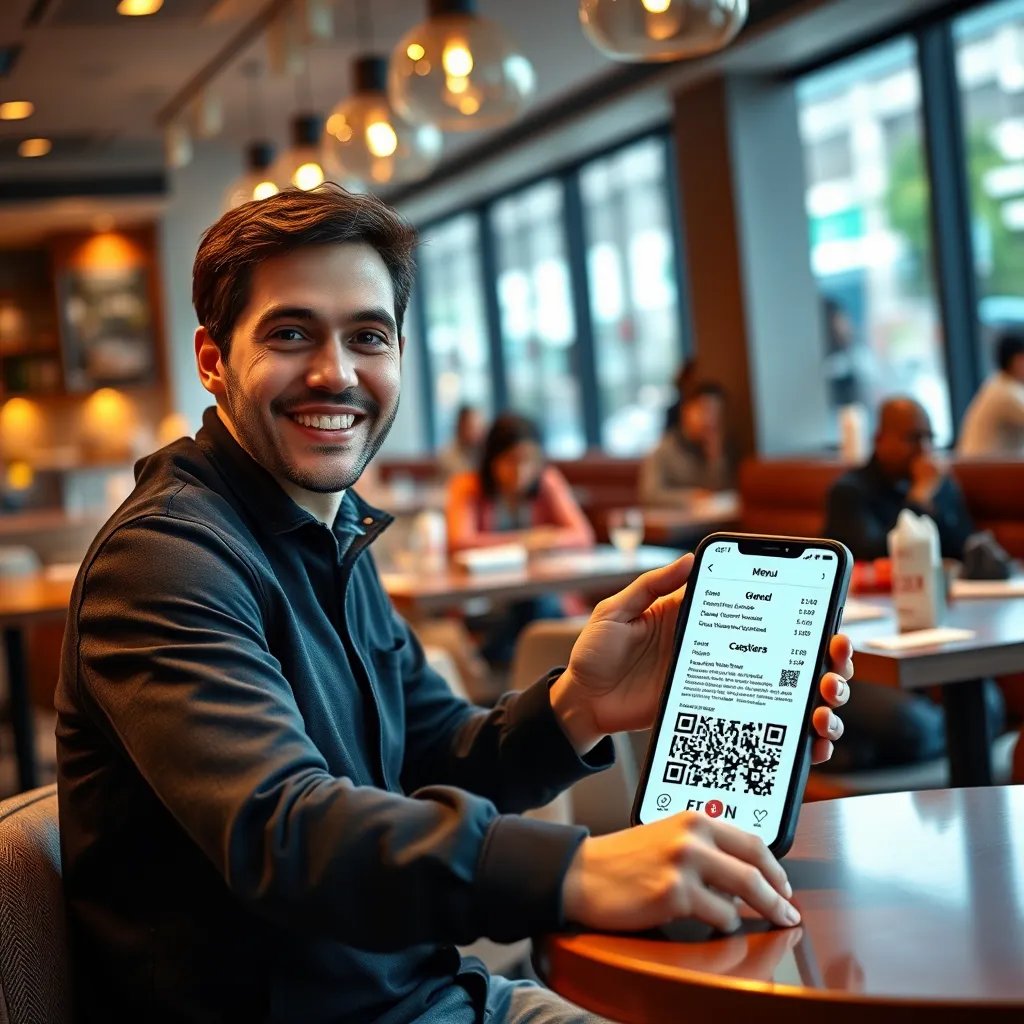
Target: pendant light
column 657, row 30
column 458, row 71
column 366, row 140
column 301, row 164
column 257, row 182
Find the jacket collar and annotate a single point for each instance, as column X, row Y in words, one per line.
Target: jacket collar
column 262, row 495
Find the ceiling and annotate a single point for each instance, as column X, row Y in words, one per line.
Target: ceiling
column 104, row 85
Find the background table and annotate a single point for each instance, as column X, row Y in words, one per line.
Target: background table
column 997, row 648
column 913, row 910
column 23, row 601
column 603, row 569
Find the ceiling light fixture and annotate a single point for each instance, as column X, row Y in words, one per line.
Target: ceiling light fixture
column 16, row 110
column 139, row 8
column 458, row 71
column 35, row 147
column 301, row 164
column 661, row 30
column 257, row 182
column 364, row 138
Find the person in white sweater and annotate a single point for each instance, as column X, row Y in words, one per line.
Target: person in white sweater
column 993, row 425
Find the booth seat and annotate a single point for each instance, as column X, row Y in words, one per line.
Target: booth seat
column 787, row 495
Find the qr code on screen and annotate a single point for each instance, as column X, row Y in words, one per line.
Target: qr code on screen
column 789, row 677
column 724, row 754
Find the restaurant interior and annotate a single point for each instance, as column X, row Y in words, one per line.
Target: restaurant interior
column 790, row 212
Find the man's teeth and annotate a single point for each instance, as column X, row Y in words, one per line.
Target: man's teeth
column 326, row 422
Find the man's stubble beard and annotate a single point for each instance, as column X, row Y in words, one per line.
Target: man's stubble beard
column 249, row 426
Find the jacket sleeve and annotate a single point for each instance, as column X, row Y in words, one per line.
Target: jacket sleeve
column 174, row 667
column 850, row 520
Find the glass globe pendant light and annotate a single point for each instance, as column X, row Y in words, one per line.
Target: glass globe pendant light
column 301, row 164
column 656, row 30
column 257, row 182
column 458, row 71
column 364, row 138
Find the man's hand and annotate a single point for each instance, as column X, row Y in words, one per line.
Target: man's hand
column 926, row 476
column 621, row 660
column 688, row 865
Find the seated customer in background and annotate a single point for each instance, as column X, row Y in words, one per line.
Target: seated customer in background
column 888, row 727
column 693, row 455
column 863, row 505
column 993, row 425
column 463, row 454
column 514, row 498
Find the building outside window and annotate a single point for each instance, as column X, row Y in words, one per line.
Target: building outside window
column 870, row 238
column 452, row 291
column 537, row 324
column 634, row 299
column 990, row 70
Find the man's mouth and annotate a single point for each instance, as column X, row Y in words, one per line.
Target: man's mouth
column 341, row 421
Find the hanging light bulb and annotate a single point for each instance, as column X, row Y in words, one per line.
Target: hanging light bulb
column 257, row 182
column 458, row 71
column 301, row 164
column 366, row 140
column 654, row 30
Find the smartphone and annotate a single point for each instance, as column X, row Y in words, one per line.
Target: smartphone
column 733, row 735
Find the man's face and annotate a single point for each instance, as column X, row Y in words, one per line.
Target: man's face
column 904, row 437
column 311, row 384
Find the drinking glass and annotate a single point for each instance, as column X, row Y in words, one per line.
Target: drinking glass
column 626, row 529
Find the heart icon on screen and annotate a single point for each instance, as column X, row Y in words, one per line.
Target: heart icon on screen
column 760, row 815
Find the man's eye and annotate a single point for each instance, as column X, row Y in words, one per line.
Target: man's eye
column 373, row 339
column 288, row 334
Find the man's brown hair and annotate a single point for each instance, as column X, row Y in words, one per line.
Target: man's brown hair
column 257, row 231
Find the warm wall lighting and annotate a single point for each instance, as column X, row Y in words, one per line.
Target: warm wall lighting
column 16, row 110
column 35, row 147
column 20, row 475
column 139, row 8
column 22, row 427
column 108, row 423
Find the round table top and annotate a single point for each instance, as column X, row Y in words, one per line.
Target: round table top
column 912, row 904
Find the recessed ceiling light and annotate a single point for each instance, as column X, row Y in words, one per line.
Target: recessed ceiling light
column 137, row 8
column 16, row 110
column 35, row 147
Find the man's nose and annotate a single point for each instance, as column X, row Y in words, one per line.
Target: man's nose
column 333, row 367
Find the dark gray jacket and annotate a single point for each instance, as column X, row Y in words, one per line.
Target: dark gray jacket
column 271, row 808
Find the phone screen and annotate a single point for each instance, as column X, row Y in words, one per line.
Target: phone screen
column 733, row 724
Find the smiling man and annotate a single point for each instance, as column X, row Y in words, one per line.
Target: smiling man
column 271, row 809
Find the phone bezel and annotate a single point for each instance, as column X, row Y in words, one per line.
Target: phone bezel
column 778, row 547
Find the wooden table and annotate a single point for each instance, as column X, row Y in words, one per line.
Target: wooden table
column 913, row 910
column 23, row 601
column 997, row 648
column 419, row 595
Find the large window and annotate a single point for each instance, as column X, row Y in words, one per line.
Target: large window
column 990, row 68
column 634, row 300
column 538, row 328
column 870, row 238
column 451, row 288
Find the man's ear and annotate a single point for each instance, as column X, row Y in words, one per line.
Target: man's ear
column 401, row 344
column 208, row 363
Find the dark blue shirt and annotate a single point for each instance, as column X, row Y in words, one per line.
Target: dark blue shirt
column 271, row 808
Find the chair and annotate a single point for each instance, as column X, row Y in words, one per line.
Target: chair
column 600, row 802
column 35, row 985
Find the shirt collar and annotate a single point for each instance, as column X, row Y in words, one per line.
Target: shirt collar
column 263, row 496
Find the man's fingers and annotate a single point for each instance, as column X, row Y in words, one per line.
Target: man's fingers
column 840, row 655
column 635, row 599
column 718, row 911
column 827, row 724
column 739, row 878
column 835, row 690
column 750, row 849
column 821, row 750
